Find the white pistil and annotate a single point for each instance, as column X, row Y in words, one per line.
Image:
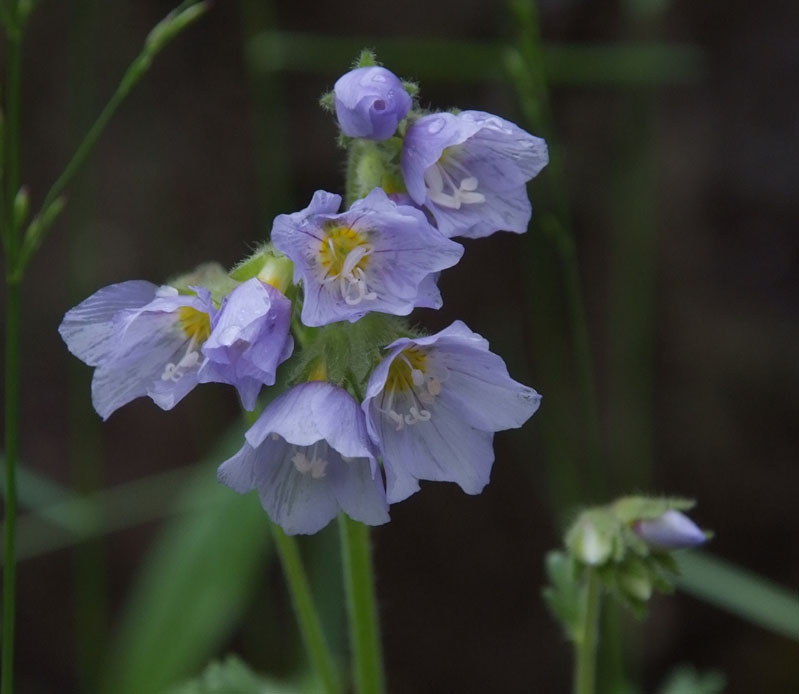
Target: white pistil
column 465, row 192
column 352, row 279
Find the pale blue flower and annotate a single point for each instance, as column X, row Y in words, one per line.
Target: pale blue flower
column 376, row 256
column 142, row 339
column 470, row 170
column 370, row 103
column 432, row 407
column 309, row 457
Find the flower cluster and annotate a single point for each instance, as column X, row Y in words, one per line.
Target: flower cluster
column 368, row 396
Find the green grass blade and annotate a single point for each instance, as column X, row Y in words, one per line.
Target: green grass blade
column 740, row 592
column 450, row 60
column 192, row 589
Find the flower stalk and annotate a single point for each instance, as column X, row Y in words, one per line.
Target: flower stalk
column 367, row 653
column 585, row 645
column 307, row 617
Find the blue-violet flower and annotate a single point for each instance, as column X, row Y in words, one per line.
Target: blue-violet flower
column 432, row 407
column 142, row 339
column 470, row 170
column 370, row 103
column 376, row 256
column 309, row 456
column 249, row 339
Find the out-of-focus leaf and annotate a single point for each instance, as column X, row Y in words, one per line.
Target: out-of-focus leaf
column 741, row 592
column 193, row 587
column 686, row 680
column 563, row 594
column 232, row 676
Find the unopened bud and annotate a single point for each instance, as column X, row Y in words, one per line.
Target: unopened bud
column 672, row 530
column 588, row 544
column 277, row 271
column 635, row 581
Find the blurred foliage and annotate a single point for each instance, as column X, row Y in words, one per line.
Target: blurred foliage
column 194, row 585
column 686, row 680
column 232, row 676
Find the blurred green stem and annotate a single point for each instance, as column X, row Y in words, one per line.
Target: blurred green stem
column 526, row 67
column 585, row 646
column 162, row 33
column 367, row 655
column 307, row 616
column 14, row 26
column 308, row 620
column 90, row 586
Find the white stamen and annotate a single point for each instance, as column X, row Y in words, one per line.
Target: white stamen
column 417, row 415
column 437, row 178
column 174, row 372
column 351, row 278
column 316, row 466
column 396, row 418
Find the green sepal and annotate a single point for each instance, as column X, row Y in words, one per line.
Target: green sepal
column 328, row 102
column 632, row 508
column 212, row 276
column 250, row 266
column 366, row 58
column 347, row 352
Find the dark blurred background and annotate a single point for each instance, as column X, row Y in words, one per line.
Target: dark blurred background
column 679, row 175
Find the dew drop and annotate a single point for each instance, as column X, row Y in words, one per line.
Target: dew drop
column 435, row 126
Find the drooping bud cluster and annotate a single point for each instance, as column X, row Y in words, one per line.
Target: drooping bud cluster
column 628, row 543
column 365, row 388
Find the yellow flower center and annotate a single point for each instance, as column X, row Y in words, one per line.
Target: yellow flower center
column 196, row 324
column 343, row 251
column 407, row 370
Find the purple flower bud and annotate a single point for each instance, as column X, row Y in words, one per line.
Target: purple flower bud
column 249, row 338
column 672, row 530
column 370, row 103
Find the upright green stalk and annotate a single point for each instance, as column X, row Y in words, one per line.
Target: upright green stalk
column 307, row 616
column 90, row 585
column 526, row 65
column 367, row 653
column 11, row 176
column 585, row 646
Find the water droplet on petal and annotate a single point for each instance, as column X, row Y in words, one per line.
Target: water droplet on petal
column 435, row 126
